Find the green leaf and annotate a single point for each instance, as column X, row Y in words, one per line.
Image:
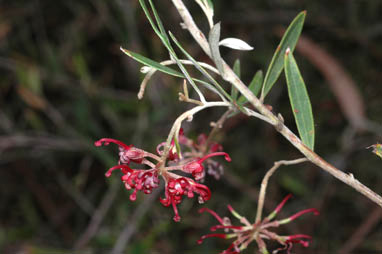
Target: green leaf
column 289, row 40
column 236, row 70
column 201, row 69
column 159, row 23
column 299, row 100
column 254, row 86
column 166, row 42
column 160, row 32
column 152, row 63
column 162, row 68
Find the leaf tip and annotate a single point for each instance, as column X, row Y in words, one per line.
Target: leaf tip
column 124, row 50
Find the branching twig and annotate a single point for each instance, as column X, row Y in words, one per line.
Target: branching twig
column 188, row 115
column 231, row 77
column 264, row 183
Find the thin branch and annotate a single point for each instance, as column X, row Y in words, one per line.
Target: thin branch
column 264, row 183
column 231, row 77
column 188, row 115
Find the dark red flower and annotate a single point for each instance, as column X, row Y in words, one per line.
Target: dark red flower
column 126, row 153
column 145, row 180
column 196, row 167
column 183, row 186
column 257, row 232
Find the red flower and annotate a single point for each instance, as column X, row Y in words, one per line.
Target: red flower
column 196, row 168
column 145, row 180
column 176, row 188
column 257, row 232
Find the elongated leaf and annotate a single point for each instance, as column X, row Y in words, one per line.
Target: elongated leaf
column 147, row 61
column 201, row 69
column 213, row 40
column 165, row 40
column 299, row 100
column 236, row 69
column 254, row 86
column 159, row 23
column 162, row 68
column 289, row 40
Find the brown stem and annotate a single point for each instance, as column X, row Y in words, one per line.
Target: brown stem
column 231, row 77
column 264, row 184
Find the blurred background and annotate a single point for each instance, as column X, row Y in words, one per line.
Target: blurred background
column 65, row 83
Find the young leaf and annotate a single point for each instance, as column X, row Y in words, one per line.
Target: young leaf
column 289, row 40
column 201, row 69
column 236, row 69
column 254, row 86
column 151, row 63
column 299, row 100
column 235, row 43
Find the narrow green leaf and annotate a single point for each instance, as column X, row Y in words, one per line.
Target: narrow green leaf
column 147, row 61
column 289, row 40
column 162, row 68
column 201, row 69
column 159, row 23
column 254, row 86
column 160, row 32
column 236, row 70
column 299, row 100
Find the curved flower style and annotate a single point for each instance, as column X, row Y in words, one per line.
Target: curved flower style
column 201, row 147
column 258, row 232
column 176, row 186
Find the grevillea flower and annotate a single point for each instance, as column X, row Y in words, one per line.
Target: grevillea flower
column 196, row 167
column 203, row 147
column 176, row 186
column 258, row 232
column 183, row 186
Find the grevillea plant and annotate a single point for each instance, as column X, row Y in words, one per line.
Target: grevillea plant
column 176, row 184
column 181, row 164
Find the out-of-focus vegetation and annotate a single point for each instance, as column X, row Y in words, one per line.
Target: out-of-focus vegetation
column 65, row 83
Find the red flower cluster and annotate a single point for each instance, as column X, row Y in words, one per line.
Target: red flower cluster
column 176, row 186
column 258, row 232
